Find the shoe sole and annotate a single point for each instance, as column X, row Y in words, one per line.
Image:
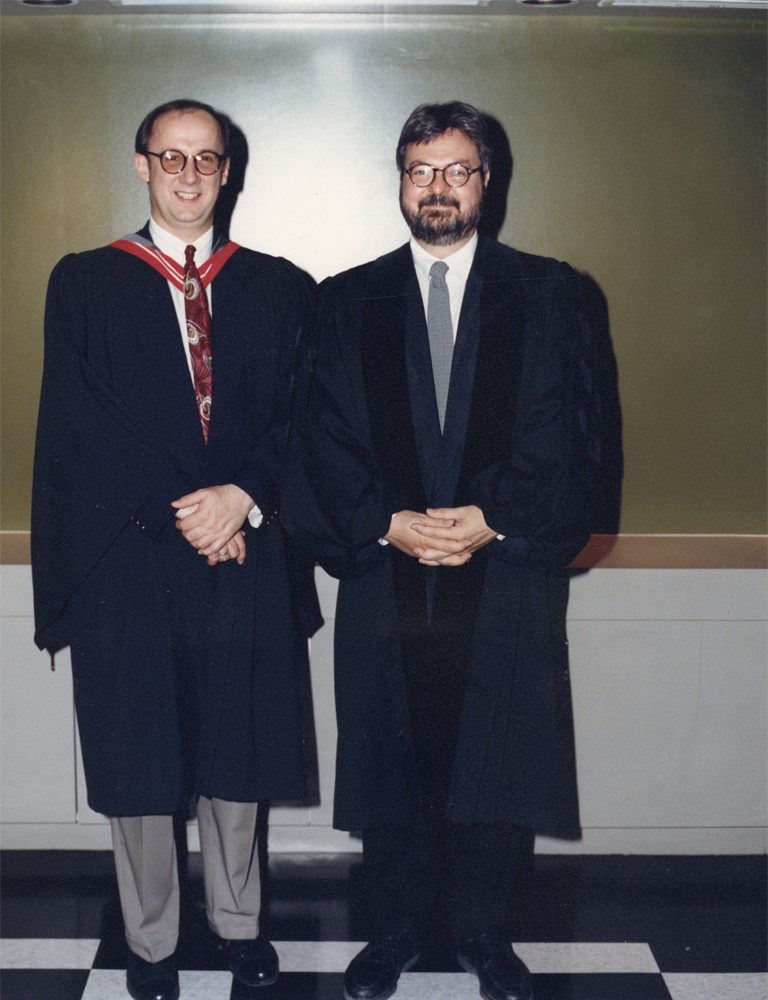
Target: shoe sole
column 256, row 986
column 385, row 996
column 175, row 996
column 468, row 967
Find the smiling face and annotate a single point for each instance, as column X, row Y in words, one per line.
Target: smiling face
column 184, row 203
column 440, row 217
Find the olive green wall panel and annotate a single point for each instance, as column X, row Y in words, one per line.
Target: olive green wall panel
column 639, row 156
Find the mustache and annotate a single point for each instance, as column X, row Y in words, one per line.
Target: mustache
column 442, row 200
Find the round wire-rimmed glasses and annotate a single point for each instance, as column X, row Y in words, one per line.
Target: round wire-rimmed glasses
column 455, row 175
column 173, row 161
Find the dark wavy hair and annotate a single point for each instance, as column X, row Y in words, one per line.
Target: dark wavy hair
column 144, row 131
column 429, row 121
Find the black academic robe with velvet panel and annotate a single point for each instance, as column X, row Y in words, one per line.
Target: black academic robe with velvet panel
column 185, row 676
column 466, row 666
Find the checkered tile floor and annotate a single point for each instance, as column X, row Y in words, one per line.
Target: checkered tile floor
column 591, row 929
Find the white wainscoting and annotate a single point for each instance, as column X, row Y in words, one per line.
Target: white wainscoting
column 668, row 670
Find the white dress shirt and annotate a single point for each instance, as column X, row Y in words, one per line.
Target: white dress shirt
column 459, row 264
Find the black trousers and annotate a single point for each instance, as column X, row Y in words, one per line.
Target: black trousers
column 434, row 875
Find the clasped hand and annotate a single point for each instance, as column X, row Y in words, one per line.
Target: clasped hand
column 441, row 536
column 210, row 519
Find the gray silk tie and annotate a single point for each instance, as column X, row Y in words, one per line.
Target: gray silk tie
column 440, row 330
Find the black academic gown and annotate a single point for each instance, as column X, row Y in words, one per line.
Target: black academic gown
column 185, row 676
column 462, row 668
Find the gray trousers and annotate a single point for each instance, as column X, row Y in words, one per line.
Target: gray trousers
column 148, row 878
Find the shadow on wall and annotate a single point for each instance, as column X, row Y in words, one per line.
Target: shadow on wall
column 610, row 464
column 238, row 164
column 607, row 516
column 495, row 204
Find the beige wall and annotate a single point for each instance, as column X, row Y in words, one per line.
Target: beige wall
column 639, row 156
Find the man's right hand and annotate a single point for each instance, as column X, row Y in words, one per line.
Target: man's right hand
column 402, row 535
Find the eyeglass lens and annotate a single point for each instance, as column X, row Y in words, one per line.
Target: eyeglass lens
column 173, row 162
column 455, row 174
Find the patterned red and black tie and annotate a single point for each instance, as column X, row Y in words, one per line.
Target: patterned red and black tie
column 199, row 338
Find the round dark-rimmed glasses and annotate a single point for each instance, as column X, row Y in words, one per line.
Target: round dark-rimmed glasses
column 174, row 162
column 455, row 175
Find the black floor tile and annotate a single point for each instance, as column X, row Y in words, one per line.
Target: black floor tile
column 55, row 894
column 698, row 914
column 42, row 984
column 600, row 986
column 703, row 915
column 295, row 986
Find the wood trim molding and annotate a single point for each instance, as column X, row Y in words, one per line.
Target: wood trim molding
column 603, row 551
column 674, row 552
column 14, row 548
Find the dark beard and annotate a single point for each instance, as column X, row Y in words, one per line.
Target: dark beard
column 440, row 230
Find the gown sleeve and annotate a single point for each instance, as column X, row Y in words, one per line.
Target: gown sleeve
column 93, row 469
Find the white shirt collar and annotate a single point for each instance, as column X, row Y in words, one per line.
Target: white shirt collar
column 174, row 247
column 459, row 262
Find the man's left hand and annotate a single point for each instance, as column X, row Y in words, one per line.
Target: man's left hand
column 215, row 518
column 234, row 549
column 467, row 523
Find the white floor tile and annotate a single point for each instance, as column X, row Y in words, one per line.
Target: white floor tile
column 566, row 957
column 577, row 957
column 717, row 986
column 109, row 984
column 47, row 953
column 437, row 986
column 105, row 984
column 205, row 985
column 316, row 956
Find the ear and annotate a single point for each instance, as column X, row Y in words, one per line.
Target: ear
column 142, row 166
column 486, row 178
column 225, row 172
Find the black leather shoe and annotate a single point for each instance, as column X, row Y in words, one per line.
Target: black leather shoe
column 501, row 974
column 373, row 973
column 152, row 980
column 253, row 962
